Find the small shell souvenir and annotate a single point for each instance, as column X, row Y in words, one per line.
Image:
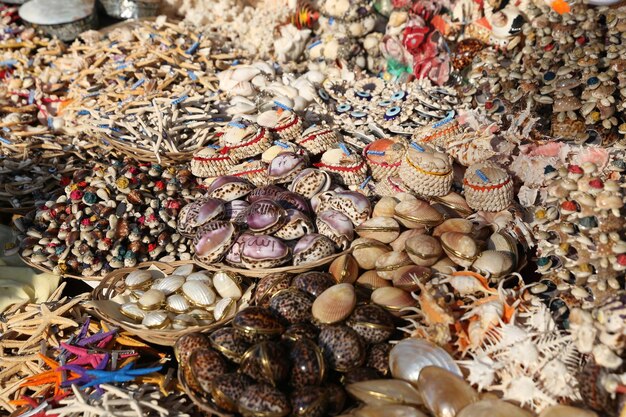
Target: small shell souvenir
column 384, row 157
column 242, row 141
column 344, row 164
column 253, row 171
column 488, row 187
column 283, row 123
column 426, row 171
column 208, row 162
column 317, row 139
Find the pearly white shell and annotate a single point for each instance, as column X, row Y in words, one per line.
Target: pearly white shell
column 226, row 285
column 156, row 319
column 184, row 270
column 200, row 276
column 132, row 311
column 199, row 293
column 151, row 300
column 169, row 285
column 225, row 308
column 410, row 356
column 138, row 279
column 177, row 304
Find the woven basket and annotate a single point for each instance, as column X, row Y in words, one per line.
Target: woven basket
column 487, row 187
column 382, row 168
column 259, row 273
column 113, row 284
column 148, row 155
column 203, row 403
column 422, row 172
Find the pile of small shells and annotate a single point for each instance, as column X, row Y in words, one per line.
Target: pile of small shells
column 111, row 216
column 287, row 353
column 579, row 231
column 575, row 82
column 186, row 298
column 269, row 226
column 149, row 85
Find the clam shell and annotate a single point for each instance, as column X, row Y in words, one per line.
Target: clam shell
column 200, row 276
column 198, row 293
column 399, row 244
column 494, row 263
column 371, row 281
column 383, row 229
column 407, row 277
column 263, row 400
column 138, row 280
column 158, row 319
column 385, row 391
column 417, row 214
column 313, row 282
column 227, row 285
column 497, row 408
column 388, row 411
column 444, row 266
column 444, row 393
column 132, row 311
column 169, row 285
column 292, row 305
column 409, row 356
column 454, row 225
column 366, row 251
column 424, row 250
column 385, row 207
column 183, row 321
column 388, row 263
column 460, row 248
column 177, row 304
column 225, row 308
column 393, row 299
column 344, row 269
column 151, row 300
column 183, row 270
column 335, row 304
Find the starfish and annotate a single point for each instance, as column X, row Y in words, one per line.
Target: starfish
column 53, row 376
column 38, row 408
column 124, row 374
column 86, row 356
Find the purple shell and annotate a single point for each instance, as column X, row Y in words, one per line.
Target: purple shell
column 232, row 209
column 213, row 240
column 294, row 201
column 264, row 251
column 284, row 167
column 269, row 191
column 229, row 188
column 311, row 248
column 337, row 226
column 195, row 214
column 265, row 216
column 234, row 254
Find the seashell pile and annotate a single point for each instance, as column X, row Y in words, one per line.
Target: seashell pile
column 287, row 356
column 184, row 299
column 579, row 228
column 112, row 216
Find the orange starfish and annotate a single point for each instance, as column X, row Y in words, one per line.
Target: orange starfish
column 53, row 376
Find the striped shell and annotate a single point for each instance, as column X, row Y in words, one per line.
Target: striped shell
column 198, row 293
column 335, row 304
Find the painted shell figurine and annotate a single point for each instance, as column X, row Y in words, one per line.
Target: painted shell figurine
column 487, row 187
column 345, row 165
column 426, row 171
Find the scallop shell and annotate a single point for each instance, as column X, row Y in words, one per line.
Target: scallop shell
column 385, row 207
column 169, row 285
column 383, row 229
column 158, row 319
column 461, row 248
column 371, row 280
column 138, row 279
column 177, row 304
column 399, row 244
column 225, row 308
column 151, row 300
column 454, row 225
column 409, row 356
column 335, row 304
column 366, row 251
column 424, row 250
column 132, row 311
column 393, row 299
column 201, row 276
column 408, row 277
column 183, row 270
column 388, row 263
column 227, row 285
column 198, row 293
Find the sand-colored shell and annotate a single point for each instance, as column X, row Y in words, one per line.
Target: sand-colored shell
column 366, row 251
column 385, row 207
column 151, row 300
column 393, row 299
column 423, row 250
column 390, row 410
column 198, row 293
column 494, row 263
column 344, row 269
column 409, row 277
column 444, row 265
column 157, row 319
column 460, row 248
column 416, row 214
column 455, row 204
column 454, row 225
column 399, row 244
column 176, row 303
column 443, row 392
column 388, row 263
column 227, row 285
column 371, row 280
column 169, row 285
column 383, row 229
column 385, row 391
column 499, row 408
column 335, row 304
column 139, row 279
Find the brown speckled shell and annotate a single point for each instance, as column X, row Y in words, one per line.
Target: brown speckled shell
column 205, row 364
column 342, row 347
column 266, row 362
column 292, row 305
column 300, row 331
column 313, row 282
column 373, row 323
column 229, row 343
column 359, row 375
column 263, row 400
column 309, row 402
column 257, row 323
column 185, row 345
column 378, row 358
column 270, row 285
column 308, row 366
column 228, row 388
